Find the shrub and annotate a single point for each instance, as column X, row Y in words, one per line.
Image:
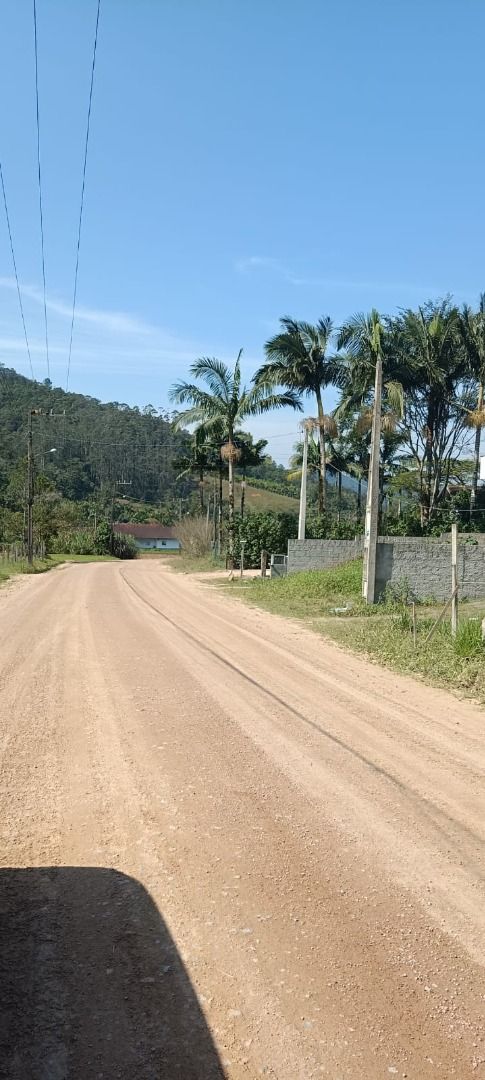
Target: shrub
column 124, row 547
column 195, row 536
column 102, row 542
column 75, row 542
column 265, row 531
column 320, row 527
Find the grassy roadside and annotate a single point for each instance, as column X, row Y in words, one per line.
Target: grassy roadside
column 190, row 564
column 329, row 601
column 40, row 566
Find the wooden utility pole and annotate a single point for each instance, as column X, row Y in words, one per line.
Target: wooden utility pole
column 454, row 579
column 372, row 505
column 302, row 517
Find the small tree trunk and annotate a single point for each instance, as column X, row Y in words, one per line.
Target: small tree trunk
column 231, row 514
column 476, row 464
column 201, row 490
column 322, row 487
column 359, row 497
column 339, row 504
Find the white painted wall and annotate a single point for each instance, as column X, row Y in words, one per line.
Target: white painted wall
column 158, row 545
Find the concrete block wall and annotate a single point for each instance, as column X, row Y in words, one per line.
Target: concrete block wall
column 322, row 554
column 423, row 563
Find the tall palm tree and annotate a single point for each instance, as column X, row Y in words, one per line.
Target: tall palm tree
column 250, row 454
column 225, row 405
column 297, row 358
column 430, row 338
column 198, row 461
column 472, row 331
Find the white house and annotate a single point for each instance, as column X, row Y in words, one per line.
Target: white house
column 149, row 537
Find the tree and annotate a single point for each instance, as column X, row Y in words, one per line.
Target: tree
column 225, row 404
column 199, row 461
column 297, row 359
column 251, row 454
column 438, row 398
column 472, row 330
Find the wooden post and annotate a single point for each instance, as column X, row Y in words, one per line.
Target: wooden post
column 414, row 623
column 454, row 579
column 264, row 563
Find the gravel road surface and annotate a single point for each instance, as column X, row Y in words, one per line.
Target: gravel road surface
column 228, row 848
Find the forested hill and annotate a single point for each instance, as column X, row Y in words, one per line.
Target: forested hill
column 111, row 446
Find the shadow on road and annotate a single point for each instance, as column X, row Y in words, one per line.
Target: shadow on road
column 91, row 983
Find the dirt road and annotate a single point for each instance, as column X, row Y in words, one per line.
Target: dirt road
column 229, row 849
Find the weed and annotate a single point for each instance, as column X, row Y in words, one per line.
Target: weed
column 468, row 641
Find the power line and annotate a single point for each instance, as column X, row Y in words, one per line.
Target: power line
column 82, row 195
column 40, row 186
column 15, row 269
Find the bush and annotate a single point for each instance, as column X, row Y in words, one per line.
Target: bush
column 124, row 547
column 75, row 542
column 319, row 527
column 265, row 531
column 86, row 542
column 102, row 541
column 195, row 536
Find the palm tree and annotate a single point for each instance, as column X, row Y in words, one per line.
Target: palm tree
column 250, row 454
column 472, row 330
column 438, row 396
column 224, row 405
column 313, row 459
column 198, row 461
column 297, row 358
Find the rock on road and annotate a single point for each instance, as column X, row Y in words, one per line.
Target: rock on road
column 228, row 848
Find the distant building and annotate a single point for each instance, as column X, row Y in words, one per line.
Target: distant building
column 149, row 537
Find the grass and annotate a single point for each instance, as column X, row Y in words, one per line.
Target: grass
column 257, row 498
column 457, row 664
column 192, row 564
column 40, row 566
column 383, row 632
column 310, row 594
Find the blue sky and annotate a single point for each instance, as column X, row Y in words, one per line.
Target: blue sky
column 247, row 160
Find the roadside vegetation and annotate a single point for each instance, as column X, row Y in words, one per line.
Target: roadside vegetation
column 96, row 463
column 49, row 562
column 330, row 602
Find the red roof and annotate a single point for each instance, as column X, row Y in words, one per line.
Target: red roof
column 145, row 532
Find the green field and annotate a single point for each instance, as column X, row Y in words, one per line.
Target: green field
column 256, row 498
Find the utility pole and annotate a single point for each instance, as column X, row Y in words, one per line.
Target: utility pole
column 302, row 517
column 30, row 491
column 372, row 505
column 454, row 580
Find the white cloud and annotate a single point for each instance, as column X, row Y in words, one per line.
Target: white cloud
column 114, row 322
column 265, row 262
